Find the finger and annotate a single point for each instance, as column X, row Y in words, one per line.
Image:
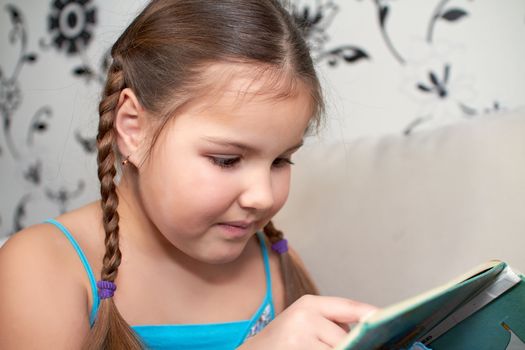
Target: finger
column 342, row 310
column 323, row 346
column 330, row 333
column 344, row 326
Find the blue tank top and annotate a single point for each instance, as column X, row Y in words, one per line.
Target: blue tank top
column 217, row 336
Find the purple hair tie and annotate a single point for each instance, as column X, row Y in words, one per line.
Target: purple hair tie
column 280, row 246
column 106, row 289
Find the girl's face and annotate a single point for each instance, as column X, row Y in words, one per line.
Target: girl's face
column 220, row 169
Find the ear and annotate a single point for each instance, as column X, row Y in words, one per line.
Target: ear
column 130, row 124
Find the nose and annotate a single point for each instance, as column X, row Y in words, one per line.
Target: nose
column 257, row 192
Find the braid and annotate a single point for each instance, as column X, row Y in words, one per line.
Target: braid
column 107, row 172
column 297, row 281
column 274, row 235
column 110, row 330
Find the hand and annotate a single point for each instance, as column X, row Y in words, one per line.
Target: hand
column 311, row 323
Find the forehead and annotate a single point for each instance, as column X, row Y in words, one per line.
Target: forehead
column 235, row 86
column 248, row 104
column 245, row 82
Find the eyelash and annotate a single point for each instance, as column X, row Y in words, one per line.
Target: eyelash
column 227, row 163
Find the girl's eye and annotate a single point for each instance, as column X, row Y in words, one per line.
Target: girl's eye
column 224, row 162
column 229, row 162
column 281, row 162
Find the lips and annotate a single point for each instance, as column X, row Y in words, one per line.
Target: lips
column 236, row 229
column 240, row 224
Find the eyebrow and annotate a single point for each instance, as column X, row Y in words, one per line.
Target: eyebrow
column 244, row 147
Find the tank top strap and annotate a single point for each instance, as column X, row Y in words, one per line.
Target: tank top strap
column 86, row 265
column 266, row 261
column 266, row 311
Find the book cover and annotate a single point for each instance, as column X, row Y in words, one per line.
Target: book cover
column 448, row 317
column 500, row 325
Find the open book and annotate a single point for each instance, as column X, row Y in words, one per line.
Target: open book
column 482, row 309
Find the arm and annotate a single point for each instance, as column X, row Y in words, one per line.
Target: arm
column 43, row 305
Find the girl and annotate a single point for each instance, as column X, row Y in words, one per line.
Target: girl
column 204, row 105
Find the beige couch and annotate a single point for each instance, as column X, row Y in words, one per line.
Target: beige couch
column 381, row 219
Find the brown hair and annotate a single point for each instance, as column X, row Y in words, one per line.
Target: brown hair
column 161, row 56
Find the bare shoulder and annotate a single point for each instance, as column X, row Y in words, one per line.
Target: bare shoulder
column 42, row 300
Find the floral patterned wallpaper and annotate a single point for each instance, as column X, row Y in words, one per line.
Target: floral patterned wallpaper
column 387, row 66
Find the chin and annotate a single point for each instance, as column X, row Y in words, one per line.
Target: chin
column 225, row 254
column 222, row 258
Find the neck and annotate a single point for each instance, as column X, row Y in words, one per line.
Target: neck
column 136, row 230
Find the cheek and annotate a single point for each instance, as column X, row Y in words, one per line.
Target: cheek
column 281, row 188
column 188, row 192
column 209, row 190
